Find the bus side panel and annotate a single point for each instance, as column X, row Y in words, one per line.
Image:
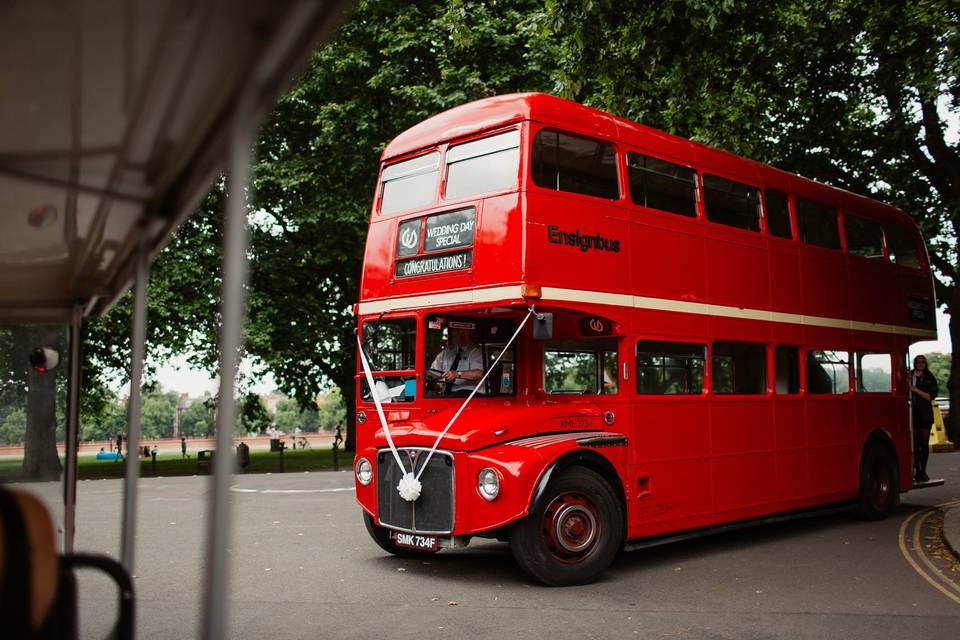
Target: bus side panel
column 742, row 439
column 784, row 273
column 834, row 446
column 499, row 241
column 736, row 271
column 568, row 249
column 870, row 294
column 823, row 285
column 669, row 463
column 667, row 256
column 793, row 474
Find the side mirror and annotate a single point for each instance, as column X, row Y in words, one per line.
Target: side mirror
column 44, row 359
column 543, row 326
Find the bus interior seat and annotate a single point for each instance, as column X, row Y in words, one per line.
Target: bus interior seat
column 38, row 592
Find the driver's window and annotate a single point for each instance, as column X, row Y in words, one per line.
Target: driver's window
column 580, row 367
column 468, row 346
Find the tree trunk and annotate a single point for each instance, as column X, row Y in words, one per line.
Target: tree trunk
column 953, row 382
column 40, row 459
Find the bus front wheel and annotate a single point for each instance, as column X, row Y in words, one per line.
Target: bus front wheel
column 878, row 483
column 381, row 535
column 573, row 534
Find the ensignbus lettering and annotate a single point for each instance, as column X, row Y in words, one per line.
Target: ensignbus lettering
column 583, row 241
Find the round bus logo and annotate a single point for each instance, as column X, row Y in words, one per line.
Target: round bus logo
column 596, row 325
column 409, row 238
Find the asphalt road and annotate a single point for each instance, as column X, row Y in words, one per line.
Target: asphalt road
column 303, row 567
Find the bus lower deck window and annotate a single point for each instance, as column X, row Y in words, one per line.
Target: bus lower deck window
column 828, row 372
column 874, row 372
column 739, row 368
column 670, row 368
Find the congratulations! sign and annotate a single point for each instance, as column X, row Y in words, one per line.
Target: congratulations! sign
column 432, row 235
column 425, row 265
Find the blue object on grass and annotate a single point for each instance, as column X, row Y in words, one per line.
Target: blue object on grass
column 107, row 455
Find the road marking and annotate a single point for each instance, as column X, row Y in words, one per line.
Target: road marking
column 932, row 574
column 335, row 490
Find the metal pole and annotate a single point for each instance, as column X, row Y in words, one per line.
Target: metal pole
column 139, row 336
column 73, row 435
column 214, row 623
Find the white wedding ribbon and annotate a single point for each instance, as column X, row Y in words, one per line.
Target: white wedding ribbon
column 409, row 486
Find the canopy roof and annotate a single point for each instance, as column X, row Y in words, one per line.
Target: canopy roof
column 114, row 120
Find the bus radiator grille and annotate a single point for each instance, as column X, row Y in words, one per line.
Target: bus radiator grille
column 432, row 512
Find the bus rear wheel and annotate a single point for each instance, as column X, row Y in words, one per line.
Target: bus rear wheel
column 381, row 535
column 878, row 483
column 574, row 533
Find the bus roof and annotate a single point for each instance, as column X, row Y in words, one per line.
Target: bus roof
column 481, row 115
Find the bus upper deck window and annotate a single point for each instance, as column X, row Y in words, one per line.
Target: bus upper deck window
column 566, row 162
column 864, row 237
column 662, row 185
column 902, row 248
column 731, row 203
column 778, row 214
column 482, row 166
column 411, row 183
column 818, row 224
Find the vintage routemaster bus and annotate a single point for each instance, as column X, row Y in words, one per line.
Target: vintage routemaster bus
column 579, row 334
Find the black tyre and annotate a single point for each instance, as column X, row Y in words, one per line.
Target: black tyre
column 573, row 534
column 381, row 535
column 879, row 489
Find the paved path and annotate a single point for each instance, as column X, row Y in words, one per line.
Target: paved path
column 304, row 568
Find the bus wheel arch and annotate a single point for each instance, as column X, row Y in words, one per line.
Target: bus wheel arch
column 879, row 491
column 575, row 527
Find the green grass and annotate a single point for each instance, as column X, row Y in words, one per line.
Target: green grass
column 172, row 464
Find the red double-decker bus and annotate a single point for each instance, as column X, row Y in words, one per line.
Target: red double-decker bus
column 579, row 334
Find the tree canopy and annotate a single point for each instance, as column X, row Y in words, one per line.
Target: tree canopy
column 855, row 93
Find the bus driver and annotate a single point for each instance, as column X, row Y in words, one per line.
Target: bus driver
column 460, row 364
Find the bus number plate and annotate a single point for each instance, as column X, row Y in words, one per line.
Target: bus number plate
column 413, row 541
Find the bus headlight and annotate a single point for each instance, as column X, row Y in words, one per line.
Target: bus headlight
column 488, row 484
column 364, row 471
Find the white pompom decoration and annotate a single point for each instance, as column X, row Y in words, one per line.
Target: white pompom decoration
column 409, row 487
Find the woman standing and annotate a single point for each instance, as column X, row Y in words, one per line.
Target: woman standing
column 923, row 389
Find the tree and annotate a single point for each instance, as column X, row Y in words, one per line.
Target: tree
column 254, row 417
column 331, row 411
column 848, row 92
column 393, row 64
column 939, row 365
column 40, row 396
column 197, row 420
column 289, row 417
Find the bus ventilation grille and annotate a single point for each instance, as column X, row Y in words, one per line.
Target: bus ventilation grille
column 433, row 510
